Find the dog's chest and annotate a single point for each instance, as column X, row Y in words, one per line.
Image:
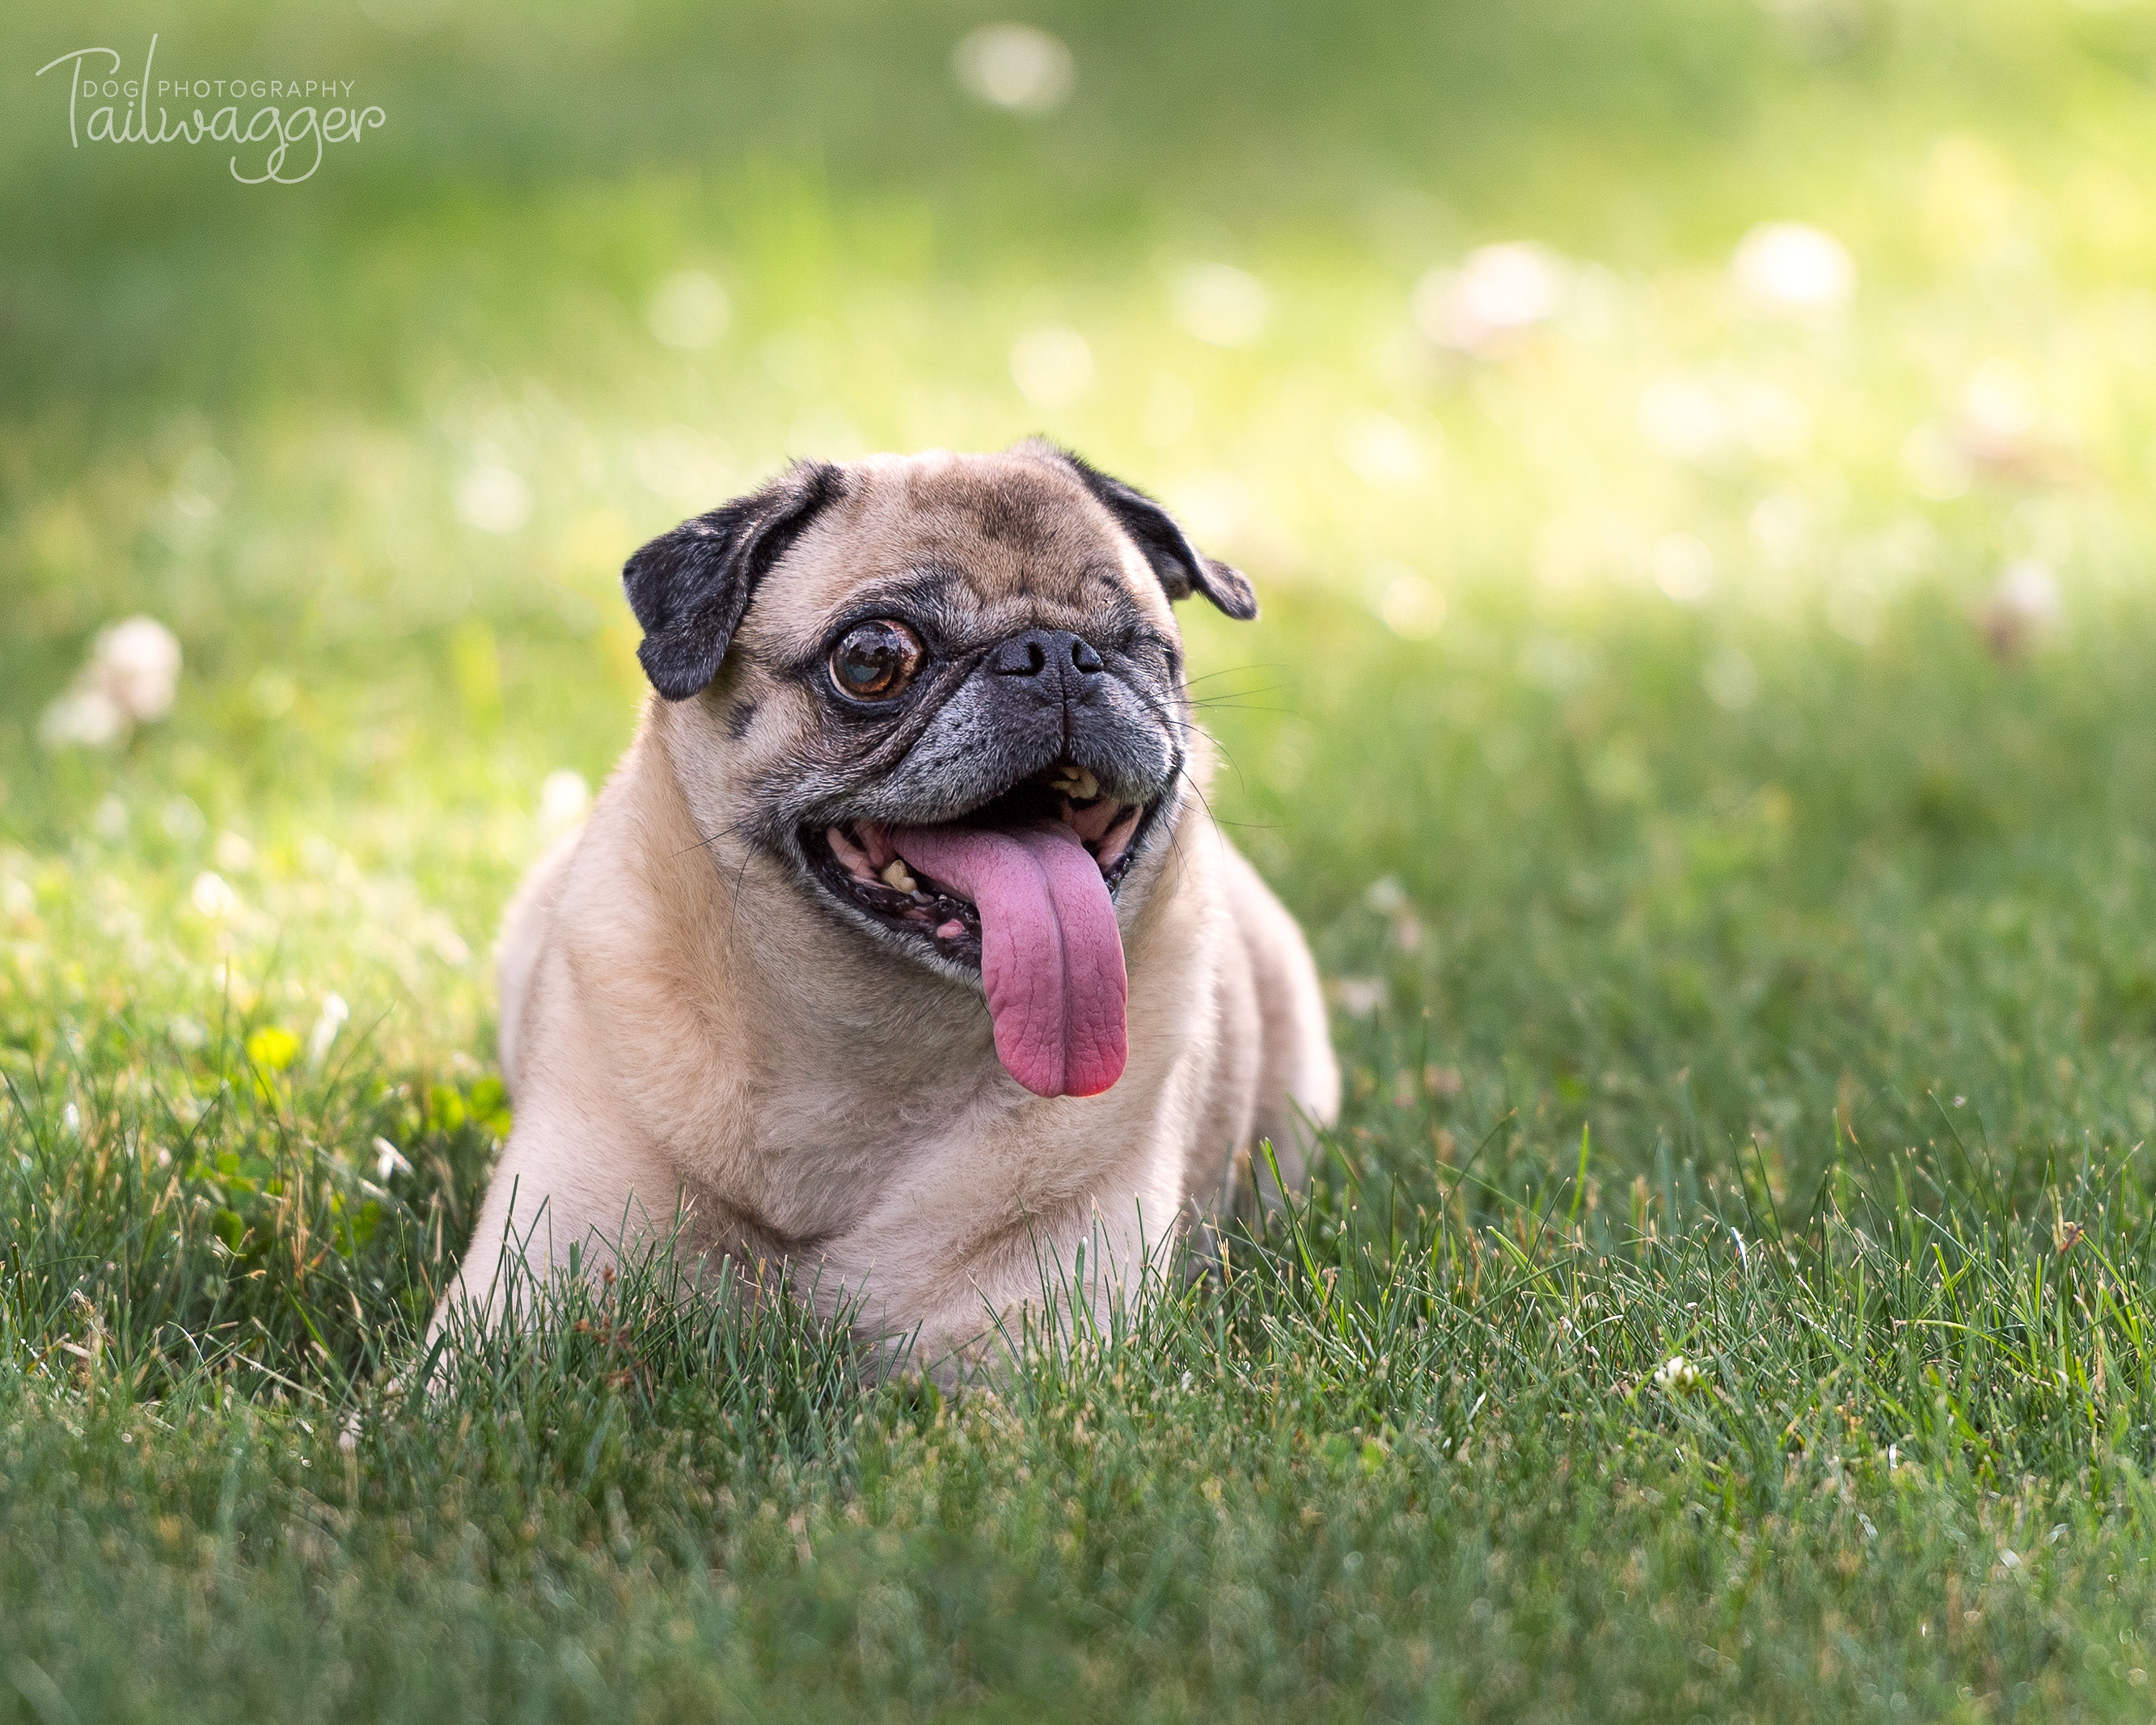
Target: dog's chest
column 822, row 1157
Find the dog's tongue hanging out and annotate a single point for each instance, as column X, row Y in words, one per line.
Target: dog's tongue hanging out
column 1051, row 955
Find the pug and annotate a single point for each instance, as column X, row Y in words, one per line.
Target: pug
column 900, row 948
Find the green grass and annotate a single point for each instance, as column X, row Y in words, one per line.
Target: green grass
column 1766, row 983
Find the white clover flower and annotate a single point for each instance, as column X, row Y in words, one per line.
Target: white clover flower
column 1795, row 268
column 137, row 663
column 88, row 717
column 1497, row 292
column 1676, row 1374
column 132, row 677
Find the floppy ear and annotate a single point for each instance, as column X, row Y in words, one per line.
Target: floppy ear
column 1182, row 568
column 690, row 588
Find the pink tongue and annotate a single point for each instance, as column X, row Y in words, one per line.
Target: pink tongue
column 1051, row 955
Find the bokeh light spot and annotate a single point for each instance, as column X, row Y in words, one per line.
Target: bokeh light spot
column 1496, row 292
column 493, row 499
column 1222, row 305
column 1794, row 269
column 1016, row 67
column 1052, row 368
column 1682, row 567
column 689, row 310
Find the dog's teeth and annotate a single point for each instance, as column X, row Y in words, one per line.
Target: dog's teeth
column 851, row 857
column 896, row 877
column 1076, row 783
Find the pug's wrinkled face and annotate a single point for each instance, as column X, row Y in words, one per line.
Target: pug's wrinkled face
column 952, row 687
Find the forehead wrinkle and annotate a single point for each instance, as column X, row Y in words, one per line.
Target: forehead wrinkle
column 998, row 500
column 989, row 485
column 1032, row 595
column 986, row 572
column 982, row 499
column 1009, row 540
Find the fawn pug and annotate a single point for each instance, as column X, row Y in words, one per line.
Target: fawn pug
column 901, row 946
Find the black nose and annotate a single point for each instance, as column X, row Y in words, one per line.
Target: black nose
column 1052, row 653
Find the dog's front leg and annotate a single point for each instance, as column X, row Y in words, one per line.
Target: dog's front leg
column 572, row 1195
column 1070, row 1276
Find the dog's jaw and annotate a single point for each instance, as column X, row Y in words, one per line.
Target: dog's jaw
column 849, row 866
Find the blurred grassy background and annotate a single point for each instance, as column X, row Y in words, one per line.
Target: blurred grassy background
column 374, row 445
column 1716, row 724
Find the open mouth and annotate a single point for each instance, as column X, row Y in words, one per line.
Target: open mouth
column 1023, row 889
column 858, row 862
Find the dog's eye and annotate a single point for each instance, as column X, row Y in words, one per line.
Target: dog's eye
column 875, row 661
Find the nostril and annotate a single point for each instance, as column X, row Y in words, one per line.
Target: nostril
column 1036, row 650
column 1021, row 657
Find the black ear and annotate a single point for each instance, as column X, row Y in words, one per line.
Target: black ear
column 690, row 588
column 1182, row 568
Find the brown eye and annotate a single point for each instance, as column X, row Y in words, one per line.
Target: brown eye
column 875, row 661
